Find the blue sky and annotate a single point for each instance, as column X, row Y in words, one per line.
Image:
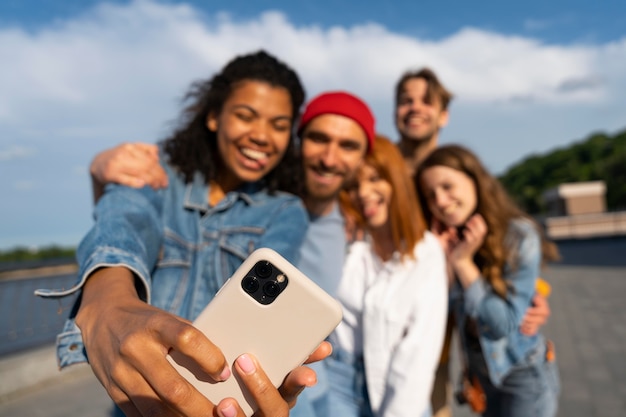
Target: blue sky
column 80, row 76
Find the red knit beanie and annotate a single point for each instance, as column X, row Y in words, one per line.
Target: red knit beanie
column 343, row 104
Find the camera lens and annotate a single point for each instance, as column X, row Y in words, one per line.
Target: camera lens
column 263, row 269
column 271, row 289
column 250, row 284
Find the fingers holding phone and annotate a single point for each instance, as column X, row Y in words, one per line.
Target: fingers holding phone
column 268, row 319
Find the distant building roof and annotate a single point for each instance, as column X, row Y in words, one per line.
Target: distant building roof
column 576, row 189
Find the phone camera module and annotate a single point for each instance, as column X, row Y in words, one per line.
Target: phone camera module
column 263, row 269
column 271, row 289
column 264, row 282
column 250, row 284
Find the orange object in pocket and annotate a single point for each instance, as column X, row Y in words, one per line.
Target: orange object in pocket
column 542, row 287
column 550, row 353
column 476, row 398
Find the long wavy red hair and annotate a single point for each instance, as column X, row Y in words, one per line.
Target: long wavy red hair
column 408, row 224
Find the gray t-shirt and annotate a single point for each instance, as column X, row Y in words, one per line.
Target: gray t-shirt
column 323, row 251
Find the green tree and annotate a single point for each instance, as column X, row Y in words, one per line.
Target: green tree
column 599, row 157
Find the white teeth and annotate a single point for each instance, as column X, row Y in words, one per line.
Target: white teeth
column 253, row 154
column 324, row 173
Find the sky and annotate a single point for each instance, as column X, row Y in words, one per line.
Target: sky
column 80, row 76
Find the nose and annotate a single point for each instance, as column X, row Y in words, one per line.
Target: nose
column 364, row 189
column 440, row 198
column 330, row 155
column 416, row 105
column 259, row 131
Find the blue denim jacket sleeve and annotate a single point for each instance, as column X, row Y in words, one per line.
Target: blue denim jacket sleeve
column 128, row 231
column 287, row 230
column 497, row 317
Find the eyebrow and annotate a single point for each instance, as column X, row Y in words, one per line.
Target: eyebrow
column 315, row 134
column 256, row 113
column 319, row 134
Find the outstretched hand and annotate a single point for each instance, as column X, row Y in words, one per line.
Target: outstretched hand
column 127, row 343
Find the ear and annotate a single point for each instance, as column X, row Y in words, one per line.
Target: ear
column 443, row 119
column 211, row 122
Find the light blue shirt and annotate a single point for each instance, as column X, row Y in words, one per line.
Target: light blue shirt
column 323, row 251
column 322, row 256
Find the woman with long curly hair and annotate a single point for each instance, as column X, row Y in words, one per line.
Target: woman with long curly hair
column 494, row 253
column 155, row 258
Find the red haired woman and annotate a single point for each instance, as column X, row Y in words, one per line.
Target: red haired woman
column 394, row 294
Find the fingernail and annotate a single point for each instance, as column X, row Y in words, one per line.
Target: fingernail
column 225, row 374
column 246, row 364
column 228, row 411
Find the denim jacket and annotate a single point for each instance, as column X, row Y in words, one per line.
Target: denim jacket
column 180, row 249
column 498, row 320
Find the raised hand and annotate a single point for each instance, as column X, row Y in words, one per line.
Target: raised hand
column 471, row 238
column 461, row 255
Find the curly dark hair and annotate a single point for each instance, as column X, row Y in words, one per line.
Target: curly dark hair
column 193, row 147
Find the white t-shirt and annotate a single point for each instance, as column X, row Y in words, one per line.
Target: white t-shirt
column 394, row 313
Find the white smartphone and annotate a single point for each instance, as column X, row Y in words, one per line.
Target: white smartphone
column 267, row 308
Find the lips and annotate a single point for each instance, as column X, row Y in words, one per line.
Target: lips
column 415, row 120
column 448, row 210
column 253, row 158
column 325, row 176
column 370, row 208
column 450, row 214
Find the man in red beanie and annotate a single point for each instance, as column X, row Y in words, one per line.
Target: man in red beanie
column 336, row 130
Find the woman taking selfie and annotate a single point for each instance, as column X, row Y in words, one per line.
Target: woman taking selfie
column 494, row 253
column 155, row 258
column 394, row 296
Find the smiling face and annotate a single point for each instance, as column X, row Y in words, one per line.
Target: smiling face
column 333, row 148
column 253, row 131
column 450, row 194
column 372, row 195
column 419, row 117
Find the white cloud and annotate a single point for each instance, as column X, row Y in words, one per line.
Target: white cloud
column 16, row 152
column 116, row 74
column 24, row 185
